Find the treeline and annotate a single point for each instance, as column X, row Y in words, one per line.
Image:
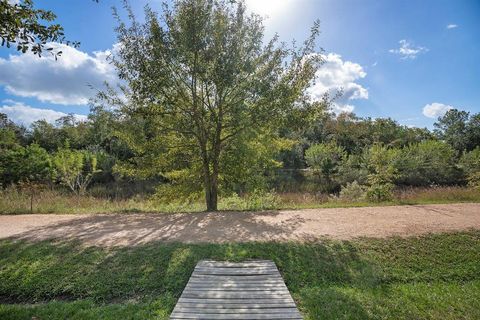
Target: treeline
column 368, row 157
column 209, row 107
column 381, row 154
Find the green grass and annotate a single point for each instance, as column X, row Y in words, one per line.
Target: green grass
column 14, row 201
column 430, row 277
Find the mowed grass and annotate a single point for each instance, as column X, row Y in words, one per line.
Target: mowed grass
column 430, row 277
column 14, row 201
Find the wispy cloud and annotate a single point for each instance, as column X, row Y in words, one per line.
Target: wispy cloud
column 452, row 26
column 408, row 50
column 435, row 110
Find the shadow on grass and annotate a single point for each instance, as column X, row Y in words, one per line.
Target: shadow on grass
column 67, row 271
column 328, row 279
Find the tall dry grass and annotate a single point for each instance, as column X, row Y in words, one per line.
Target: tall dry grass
column 17, row 201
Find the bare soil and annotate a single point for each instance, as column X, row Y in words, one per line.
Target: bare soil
column 283, row 225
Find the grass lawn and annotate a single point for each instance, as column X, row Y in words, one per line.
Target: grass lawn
column 430, row 277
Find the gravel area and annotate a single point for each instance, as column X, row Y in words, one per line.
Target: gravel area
column 282, row 225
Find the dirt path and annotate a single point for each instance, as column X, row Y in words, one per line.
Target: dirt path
column 284, row 225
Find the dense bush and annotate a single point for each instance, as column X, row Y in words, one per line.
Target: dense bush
column 470, row 163
column 428, row 163
column 31, row 163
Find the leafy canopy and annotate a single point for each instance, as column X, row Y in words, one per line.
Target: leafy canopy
column 203, row 92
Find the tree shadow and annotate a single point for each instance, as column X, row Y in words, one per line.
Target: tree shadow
column 138, row 229
column 68, row 270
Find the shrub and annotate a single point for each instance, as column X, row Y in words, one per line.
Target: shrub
column 470, row 163
column 31, row 163
column 381, row 163
column 353, row 192
column 353, row 168
column 428, row 162
column 257, row 200
column 380, row 192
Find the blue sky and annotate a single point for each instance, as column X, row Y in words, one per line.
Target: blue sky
column 408, row 60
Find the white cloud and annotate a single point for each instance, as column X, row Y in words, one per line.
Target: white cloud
column 435, row 110
column 407, row 50
column 337, row 76
column 65, row 81
column 24, row 114
column 452, row 26
column 341, row 108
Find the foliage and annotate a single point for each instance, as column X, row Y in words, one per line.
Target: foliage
column 428, row 277
column 459, row 129
column 381, row 163
column 426, row 163
column 470, row 162
column 23, row 25
column 75, row 168
column 198, row 84
column 256, row 200
column 352, row 192
column 31, row 163
column 114, row 199
column 11, row 135
column 353, row 168
column 325, row 159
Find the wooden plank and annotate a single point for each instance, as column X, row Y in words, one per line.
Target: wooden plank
column 250, row 306
column 236, row 301
column 235, row 290
column 187, row 309
column 238, row 284
column 234, row 295
column 214, row 316
column 222, row 278
column 224, row 264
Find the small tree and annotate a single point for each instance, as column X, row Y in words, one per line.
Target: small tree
column 75, row 168
column 381, row 164
column 325, row 159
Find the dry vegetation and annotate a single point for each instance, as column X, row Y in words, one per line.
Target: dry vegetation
column 16, row 201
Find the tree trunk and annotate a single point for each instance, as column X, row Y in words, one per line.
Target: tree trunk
column 211, row 190
column 211, row 196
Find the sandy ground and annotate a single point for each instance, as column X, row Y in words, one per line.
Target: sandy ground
column 283, row 225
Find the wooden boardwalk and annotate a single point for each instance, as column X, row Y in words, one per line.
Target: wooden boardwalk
column 226, row 290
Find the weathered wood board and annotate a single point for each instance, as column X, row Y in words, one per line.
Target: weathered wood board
column 235, row 290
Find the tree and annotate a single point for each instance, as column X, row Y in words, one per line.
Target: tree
column 31, row 163
column 452, row 128
column 381, row 163
column 199, row 84
column 75, row 168
column 325, row 159
column 470, row 163
column 11, row 135
column 23, row 25
column 473, row 132
column 428, row 162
